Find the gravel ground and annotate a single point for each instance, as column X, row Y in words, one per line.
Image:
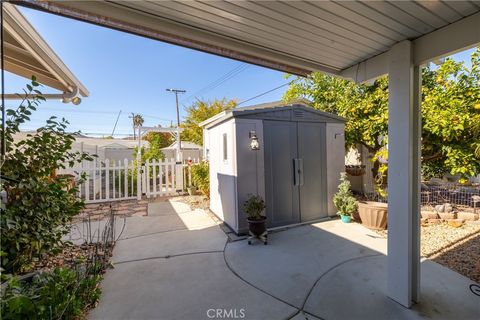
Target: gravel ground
column 455, row 248
column 195, row 202
column 463, row 257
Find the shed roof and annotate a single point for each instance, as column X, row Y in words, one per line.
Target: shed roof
column 265, row 110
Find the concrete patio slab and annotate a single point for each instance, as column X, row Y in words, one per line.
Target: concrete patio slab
column 304, row 316
column 294, row 259
column 167, row 207
column 184, row 287
column 346, row 291
column 170, row 244
column 177, row 266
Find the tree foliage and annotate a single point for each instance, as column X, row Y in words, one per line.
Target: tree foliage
column 450, row 114
column 200, row 111
column 201, row 177
column 157, row 141
column 40, row 205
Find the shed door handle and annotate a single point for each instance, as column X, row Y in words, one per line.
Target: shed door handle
column 297, row 172
column 300, row 171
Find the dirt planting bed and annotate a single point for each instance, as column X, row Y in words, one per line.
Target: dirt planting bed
column 455, row 248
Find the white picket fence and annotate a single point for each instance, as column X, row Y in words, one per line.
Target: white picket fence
column 122, row 180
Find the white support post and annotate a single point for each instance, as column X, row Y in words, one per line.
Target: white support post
column 403, row 175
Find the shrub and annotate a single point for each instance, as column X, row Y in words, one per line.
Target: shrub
column 254, row 207
column 63, row 293
column 201, row 177
column 343, row 200
column 39, row 205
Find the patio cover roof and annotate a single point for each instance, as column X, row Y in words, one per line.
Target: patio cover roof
column 348, row 39
column 27, row 54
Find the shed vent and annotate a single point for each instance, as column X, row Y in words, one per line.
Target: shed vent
column 298, row 113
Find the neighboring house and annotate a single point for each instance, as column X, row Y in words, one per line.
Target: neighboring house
column 189, row 150
column 112, row 149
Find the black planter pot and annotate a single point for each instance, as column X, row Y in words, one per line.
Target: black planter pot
column 257, row 227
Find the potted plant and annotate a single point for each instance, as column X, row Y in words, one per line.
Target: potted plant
column 373, row 213
column 344, row 200
column 192, row 190
column 254, row 207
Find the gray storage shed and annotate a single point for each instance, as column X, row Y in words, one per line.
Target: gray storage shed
column 296, row 168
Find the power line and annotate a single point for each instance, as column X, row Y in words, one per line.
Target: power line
column 99, row 112
column 218, row 82
column 264, row 93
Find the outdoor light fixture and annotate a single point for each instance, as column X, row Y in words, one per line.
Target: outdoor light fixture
column 254, row 145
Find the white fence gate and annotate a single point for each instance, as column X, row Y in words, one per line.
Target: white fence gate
column 122, row 180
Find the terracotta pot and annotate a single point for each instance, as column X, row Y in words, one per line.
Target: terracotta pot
column 373, row 214
column 257, row 227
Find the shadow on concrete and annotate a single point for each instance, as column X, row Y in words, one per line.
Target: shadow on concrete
column 336, row 271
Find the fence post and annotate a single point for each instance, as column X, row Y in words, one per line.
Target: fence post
column 179, row 176
column 147, row 178
column 139, row 176
column 125, row 173
column 107, row 179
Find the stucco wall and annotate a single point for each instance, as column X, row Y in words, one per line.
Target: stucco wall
column 335, row 160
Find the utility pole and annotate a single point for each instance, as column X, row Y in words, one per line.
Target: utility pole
column 115, row 126
column 179, row 146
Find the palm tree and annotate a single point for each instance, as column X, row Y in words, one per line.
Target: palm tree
column 137, row 121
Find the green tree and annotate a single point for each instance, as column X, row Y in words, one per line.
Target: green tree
column 200, row 111
column 156, row 141
column 450, row 114
column 365, row 107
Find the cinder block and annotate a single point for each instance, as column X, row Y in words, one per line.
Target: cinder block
column 429, row 214
column 435, row 221
column 447, row 215
column 469, row 216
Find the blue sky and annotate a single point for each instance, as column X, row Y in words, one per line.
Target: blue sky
column 130, row 73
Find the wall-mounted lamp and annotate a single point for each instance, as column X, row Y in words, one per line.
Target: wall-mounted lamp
column 254, row 145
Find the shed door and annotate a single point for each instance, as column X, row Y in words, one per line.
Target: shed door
column 281, row 194
column 313, row 189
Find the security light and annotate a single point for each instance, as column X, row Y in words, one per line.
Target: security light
column 254, row 144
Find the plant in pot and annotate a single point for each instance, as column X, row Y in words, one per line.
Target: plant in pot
column 192, row 190
column 254, row 207
column 344, row 200
column 373, row 213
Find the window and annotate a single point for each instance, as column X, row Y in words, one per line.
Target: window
column 225, row 152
